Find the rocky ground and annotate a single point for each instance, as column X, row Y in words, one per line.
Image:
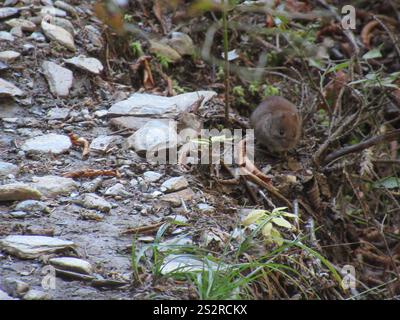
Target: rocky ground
column 84, row 214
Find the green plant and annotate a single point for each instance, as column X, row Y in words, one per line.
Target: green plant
column 136, row 48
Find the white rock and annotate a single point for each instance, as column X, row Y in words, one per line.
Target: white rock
column 164, row 50
column 7, row 89
column 18, row 191
column 5, row 296
column 102, row 143
column 72, row 264
column 32, row 206
column 52, row 186
column 58, row 113
column 181, row 42
column 205, row 208
column 175, row 184
column 58, row 34
column 37, row 36
column 48, row 143
column 52, row 12
column 7, row 168
column 154, row 136
column 36, row 295
column 8, row 12
column 144, row 104
column 89, row 64
column 6, row 36
column 60, row 79
column 24, row 24
column 152, row 176
column 117, row 190
column 93, row 201
column 14, row 287
column 31, row 247
column 9, row 55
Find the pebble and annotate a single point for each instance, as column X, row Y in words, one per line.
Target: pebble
column 18, row 191
column 52, row 186
column 174, row 184
column 72, row 264
column 59, row 78
column 93, row 201
column 48, row 143
column 152, row 176
column 7, row 168
column 92, row 65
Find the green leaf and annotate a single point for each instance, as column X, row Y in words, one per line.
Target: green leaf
column 282, row 222
column 276, row 237
column 372, row 54
column 388, row 183
column 253, row 217
column 267, row 229
column 338, row 67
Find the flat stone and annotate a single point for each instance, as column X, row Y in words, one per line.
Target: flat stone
column 7, row 89
column 152, row 176
column 103, row 143
column 93, row 201
column 88, row 64
column 6, row 36
column 25, row 25
column 58, row 113
column 59, row 35
column 32, row 206
column 174, row 184
column 17, row 32
column 59, row 78
column 9, row 55
column 37, row 36
column 117, row 190
column 48, row 143
column 144, row 104
column 52, row 186
column 52, row 11
column 19, row 214
column 18, row 191
column 36, row 295
column 7, row 168
column 66, row 7
column 155, row 135
column 175, row 199
column 31, row 247
column 5, row 296
column 8, row 12
column 133, row 123
column 72, row 264
column 14, row 287
column 63, row 23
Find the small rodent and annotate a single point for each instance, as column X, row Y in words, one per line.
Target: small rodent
column 277, row 124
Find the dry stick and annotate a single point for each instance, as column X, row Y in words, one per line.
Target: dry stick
column 390, row 34
column 331, row 138
column 362, row 145
column 225, row 28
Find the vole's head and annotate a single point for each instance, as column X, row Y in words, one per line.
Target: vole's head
column 283, row 130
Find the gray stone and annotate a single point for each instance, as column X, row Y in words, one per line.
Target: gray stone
column 7, row 89
column 174, row 184
column 117, row 190
column 52, row 12
column 60, row 79
column 17, row 32
column 31, row 247
column 144, row 104
column 175, row 199
column 93, row 201
column 48, row 143
column 66, row 7
column 7, row 168
column 25, row 25
column 134, row 123
column 152, row 176
column 52, row 186
column 9, row 55
column 37, row 36
column 6, row 36
column 59, row 35
column 18, row 214
column 72, row 264
column 5, row 296
column 88, row 64
column 103, row 143
column 8, row 12
column 18, row 191
column 14, row 287
column 58, row 113
column 63, row 23
column 32, row 206
column 36, row 295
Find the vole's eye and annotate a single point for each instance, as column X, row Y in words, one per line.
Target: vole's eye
column 281, row 131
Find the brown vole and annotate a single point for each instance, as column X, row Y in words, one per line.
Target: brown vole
column 277, row 124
